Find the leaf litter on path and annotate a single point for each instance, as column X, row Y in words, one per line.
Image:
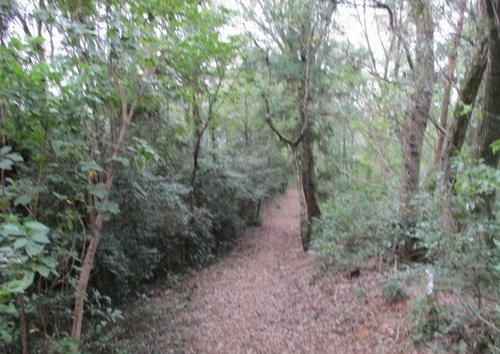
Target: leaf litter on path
column 264, row 297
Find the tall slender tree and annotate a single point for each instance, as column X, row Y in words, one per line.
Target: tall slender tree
column 298, row 31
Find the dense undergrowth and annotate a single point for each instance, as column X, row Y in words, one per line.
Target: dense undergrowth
column 97, row 147
column 462, row 315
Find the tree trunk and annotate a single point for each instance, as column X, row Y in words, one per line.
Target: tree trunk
column 307, row 156
column 197, row 136
column 308, row 188
column 96, row 235
column 457, row 130
column 308, row 176
column 83, row 281
column 127, row 112
column 194, row 172
column 23, row 324
column 450, row 73
column 489, row 127
column 418, row 113
column 469, row 88
column 304, row 217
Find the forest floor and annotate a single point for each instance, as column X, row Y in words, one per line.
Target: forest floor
column 268, row 296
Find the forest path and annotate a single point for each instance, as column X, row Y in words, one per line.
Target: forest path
column 262, row 298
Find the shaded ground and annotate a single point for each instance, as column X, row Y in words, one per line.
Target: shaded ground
column 266, row 297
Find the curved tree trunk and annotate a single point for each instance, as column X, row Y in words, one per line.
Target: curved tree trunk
column 97, row 217
column 469, row 87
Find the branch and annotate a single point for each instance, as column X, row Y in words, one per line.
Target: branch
column 378, row 5
column 407, row 52
column 271, row 125
column 24, row 24
column 437, row 125
column 362, row 23
column 211, row 102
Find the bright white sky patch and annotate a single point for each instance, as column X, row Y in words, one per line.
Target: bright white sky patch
column 345, row 16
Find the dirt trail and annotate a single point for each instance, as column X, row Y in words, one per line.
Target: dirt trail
column 262, row 298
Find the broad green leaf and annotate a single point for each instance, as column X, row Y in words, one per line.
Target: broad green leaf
column 15, row 157
column 98, row 190
column 5, row 150
column 23, row 200
column 35, row 41
column 33, row 249
column 9, row 309
column 6, row 337
column 50, row 262
column 36, row 226
column 12, row 229
column 18, row 286
column 91, row 166
column 20, row 243
column 43, row 270
column 6, row 164
column 40, row 238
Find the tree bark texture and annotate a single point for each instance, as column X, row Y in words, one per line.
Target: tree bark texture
column 306, row 182
column 197, row 137
column 97, row 217
column 460, row 121
column 469, row 87
column 418, row 113
column 489, row 126
column 488, row 130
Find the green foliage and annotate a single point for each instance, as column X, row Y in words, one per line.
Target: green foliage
column 470, row 257
column 354, row 226
column 62, row 101
column 393, row 293
column 424, row 317
column 495, row 146
column 65, row 346
column 160, row 233
column 467, row 262
column 8, row 158
column 24, row 252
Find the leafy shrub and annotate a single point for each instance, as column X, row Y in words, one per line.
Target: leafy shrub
column 157, row 233
column 424, row 317
column 393, row 293
column 354, row 226
column 467, row 261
